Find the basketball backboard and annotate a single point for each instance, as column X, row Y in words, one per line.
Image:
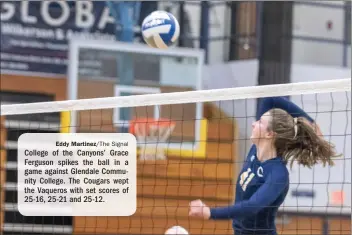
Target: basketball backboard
column 153, row 71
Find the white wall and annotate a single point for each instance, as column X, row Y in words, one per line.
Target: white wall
column 312, row 21
column 318, row 53
column 244, row 73
column 338, row 3
column 308, row 21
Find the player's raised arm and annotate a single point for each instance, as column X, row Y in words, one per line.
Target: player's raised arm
column 268, row 103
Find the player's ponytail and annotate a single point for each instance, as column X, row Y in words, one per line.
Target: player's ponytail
column 297, row 140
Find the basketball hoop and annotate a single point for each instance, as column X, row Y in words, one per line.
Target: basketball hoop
column 152, row 135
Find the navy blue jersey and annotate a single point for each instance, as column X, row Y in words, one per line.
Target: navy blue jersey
column 261, row 186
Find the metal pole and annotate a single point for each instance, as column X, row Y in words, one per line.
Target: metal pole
column 182, row 23
column 204, row 28
column 325, row 228
column 126, row 15
column 347, row 11
column 233, row 52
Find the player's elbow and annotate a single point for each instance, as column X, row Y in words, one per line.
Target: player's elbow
column 252, row 209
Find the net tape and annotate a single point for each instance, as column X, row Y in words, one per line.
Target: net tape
column 301, row 88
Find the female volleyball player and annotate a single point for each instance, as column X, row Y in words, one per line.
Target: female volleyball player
column 281, row 133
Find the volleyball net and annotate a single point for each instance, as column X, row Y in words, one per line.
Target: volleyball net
column 173, row 160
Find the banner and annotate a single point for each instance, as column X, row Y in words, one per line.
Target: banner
column 35, row 34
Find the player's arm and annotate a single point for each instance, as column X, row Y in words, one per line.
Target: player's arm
column 275, row 183
column 265, row 104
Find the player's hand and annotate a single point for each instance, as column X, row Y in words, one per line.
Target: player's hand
column 198, row 209
column 315, row 127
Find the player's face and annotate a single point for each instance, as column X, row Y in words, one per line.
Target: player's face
column 260, row 129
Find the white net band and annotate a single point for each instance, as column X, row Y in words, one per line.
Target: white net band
column 337, row 85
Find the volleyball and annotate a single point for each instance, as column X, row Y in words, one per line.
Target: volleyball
column 160, row 29
column 176, row 230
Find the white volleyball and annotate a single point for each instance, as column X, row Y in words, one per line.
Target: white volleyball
column 176, row 230
column 160, row 29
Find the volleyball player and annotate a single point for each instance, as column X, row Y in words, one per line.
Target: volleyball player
column 282, row 132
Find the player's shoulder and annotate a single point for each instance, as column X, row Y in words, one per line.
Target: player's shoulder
column 277, row 169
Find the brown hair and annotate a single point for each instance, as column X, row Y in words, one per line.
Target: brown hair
column 296, row 139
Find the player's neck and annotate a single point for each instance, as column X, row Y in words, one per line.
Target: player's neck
column 265, row 151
